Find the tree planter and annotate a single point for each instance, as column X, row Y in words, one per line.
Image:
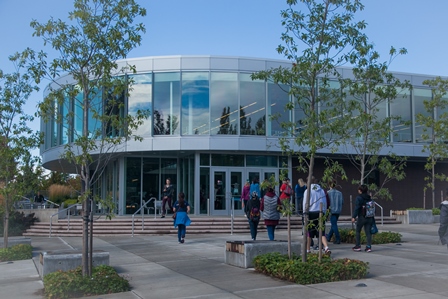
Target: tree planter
column 420, row 216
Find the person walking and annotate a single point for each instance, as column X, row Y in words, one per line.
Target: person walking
column 252, row 210
column 336, row 202
column 245, row 195
column 167, row 196
column 443, row 228
column 270, row 206
column 285, row 190
column 255, row 186
column 361, row 219
column 299, row 190
column 181, row 209
column 317, row 197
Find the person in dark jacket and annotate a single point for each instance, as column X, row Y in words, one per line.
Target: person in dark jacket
column 167, row 196
column 361, row 220
column 255, row 203
column 270, row 205
column 443, row 228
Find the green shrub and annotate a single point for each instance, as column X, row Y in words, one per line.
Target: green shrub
column 349, row 236
column 71, row 284
column 436, row 211
column 18, row 223
column 415, row 209
column 311, row 272
column 70, row 202
column 16, row 253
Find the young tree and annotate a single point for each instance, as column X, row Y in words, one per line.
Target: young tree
column 370, row 90
column 435, row 131
column 98, row 33
column 316, row 42
column 17, row 139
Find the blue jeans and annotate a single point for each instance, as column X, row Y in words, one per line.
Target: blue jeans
column 334, row 228
column 181, row 231
column 253, row 229
column 271, row 229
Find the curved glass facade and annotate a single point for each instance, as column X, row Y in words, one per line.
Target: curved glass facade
column 210, row 122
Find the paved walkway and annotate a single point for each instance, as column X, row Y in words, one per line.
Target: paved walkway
column 159, row 267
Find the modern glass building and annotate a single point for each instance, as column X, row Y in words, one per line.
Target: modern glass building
column 210, row 131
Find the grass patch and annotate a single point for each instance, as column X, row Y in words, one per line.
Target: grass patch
column 294, row 270
column 71, row 284
column 16, row 253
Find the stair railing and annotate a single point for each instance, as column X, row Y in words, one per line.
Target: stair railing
column 144, row 206
column 382, row 214
column 68, row 217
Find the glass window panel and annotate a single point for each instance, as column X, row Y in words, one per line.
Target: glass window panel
column 195, row 103
column 140, row 98
column 266, row 161
column 95, row 113
column 421, row 95
column 133, row 184
column 227, row 160
column 78, row 116
column 166, row 103
column 66, row 123
column 252, row 106
column 224, row 104
column 205, row 159
column 401, row 106
column 278, row 97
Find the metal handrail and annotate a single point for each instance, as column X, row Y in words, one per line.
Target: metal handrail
column 143, row 214
column 67, row 208
column 57, row 205
column 382, row 214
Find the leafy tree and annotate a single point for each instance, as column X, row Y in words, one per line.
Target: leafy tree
column 316, row 42
column 16, row 137
column 97, row 34
column 435, row 131
column 371, row 89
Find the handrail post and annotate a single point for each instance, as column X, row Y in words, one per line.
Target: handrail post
column 132, row 225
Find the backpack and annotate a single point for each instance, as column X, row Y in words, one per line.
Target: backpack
column 254, row 214
column 369, row 209
column 288, row 190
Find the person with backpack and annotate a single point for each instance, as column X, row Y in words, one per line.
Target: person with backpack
column 245, row 195
column 252, row 209
column 363, row 214
column 336, row 202
column 285, row 190
column 270, row 206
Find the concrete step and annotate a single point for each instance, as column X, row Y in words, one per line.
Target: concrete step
column 200, row 225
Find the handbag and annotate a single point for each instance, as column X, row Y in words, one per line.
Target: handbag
column 174, row 215
column 373, row 228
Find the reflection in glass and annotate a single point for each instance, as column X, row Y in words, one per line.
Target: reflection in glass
column 224, row 104
column 278, row 97
column 166, row 103
column 195, row 103
column 421, row 95
column 401, row 107
column 140, row 98
column 252, row 106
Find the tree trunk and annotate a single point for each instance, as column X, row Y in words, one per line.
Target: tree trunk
column 307, row 209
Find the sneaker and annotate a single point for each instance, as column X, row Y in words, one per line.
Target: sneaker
column 308, row 251
column 163, row 216
column 337, row 242
column 182, row 241
column 316, row 247
column 357, row 248
column 368, row 249
column 327, row 251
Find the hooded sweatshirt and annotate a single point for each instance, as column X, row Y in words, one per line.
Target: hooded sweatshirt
column 317, row 196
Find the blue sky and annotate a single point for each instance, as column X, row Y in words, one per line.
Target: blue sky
column 250, row 28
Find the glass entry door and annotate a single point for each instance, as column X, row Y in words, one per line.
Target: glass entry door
column 228, row 184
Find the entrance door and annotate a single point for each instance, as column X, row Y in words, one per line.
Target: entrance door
column 261, row 175
column 226, row 193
